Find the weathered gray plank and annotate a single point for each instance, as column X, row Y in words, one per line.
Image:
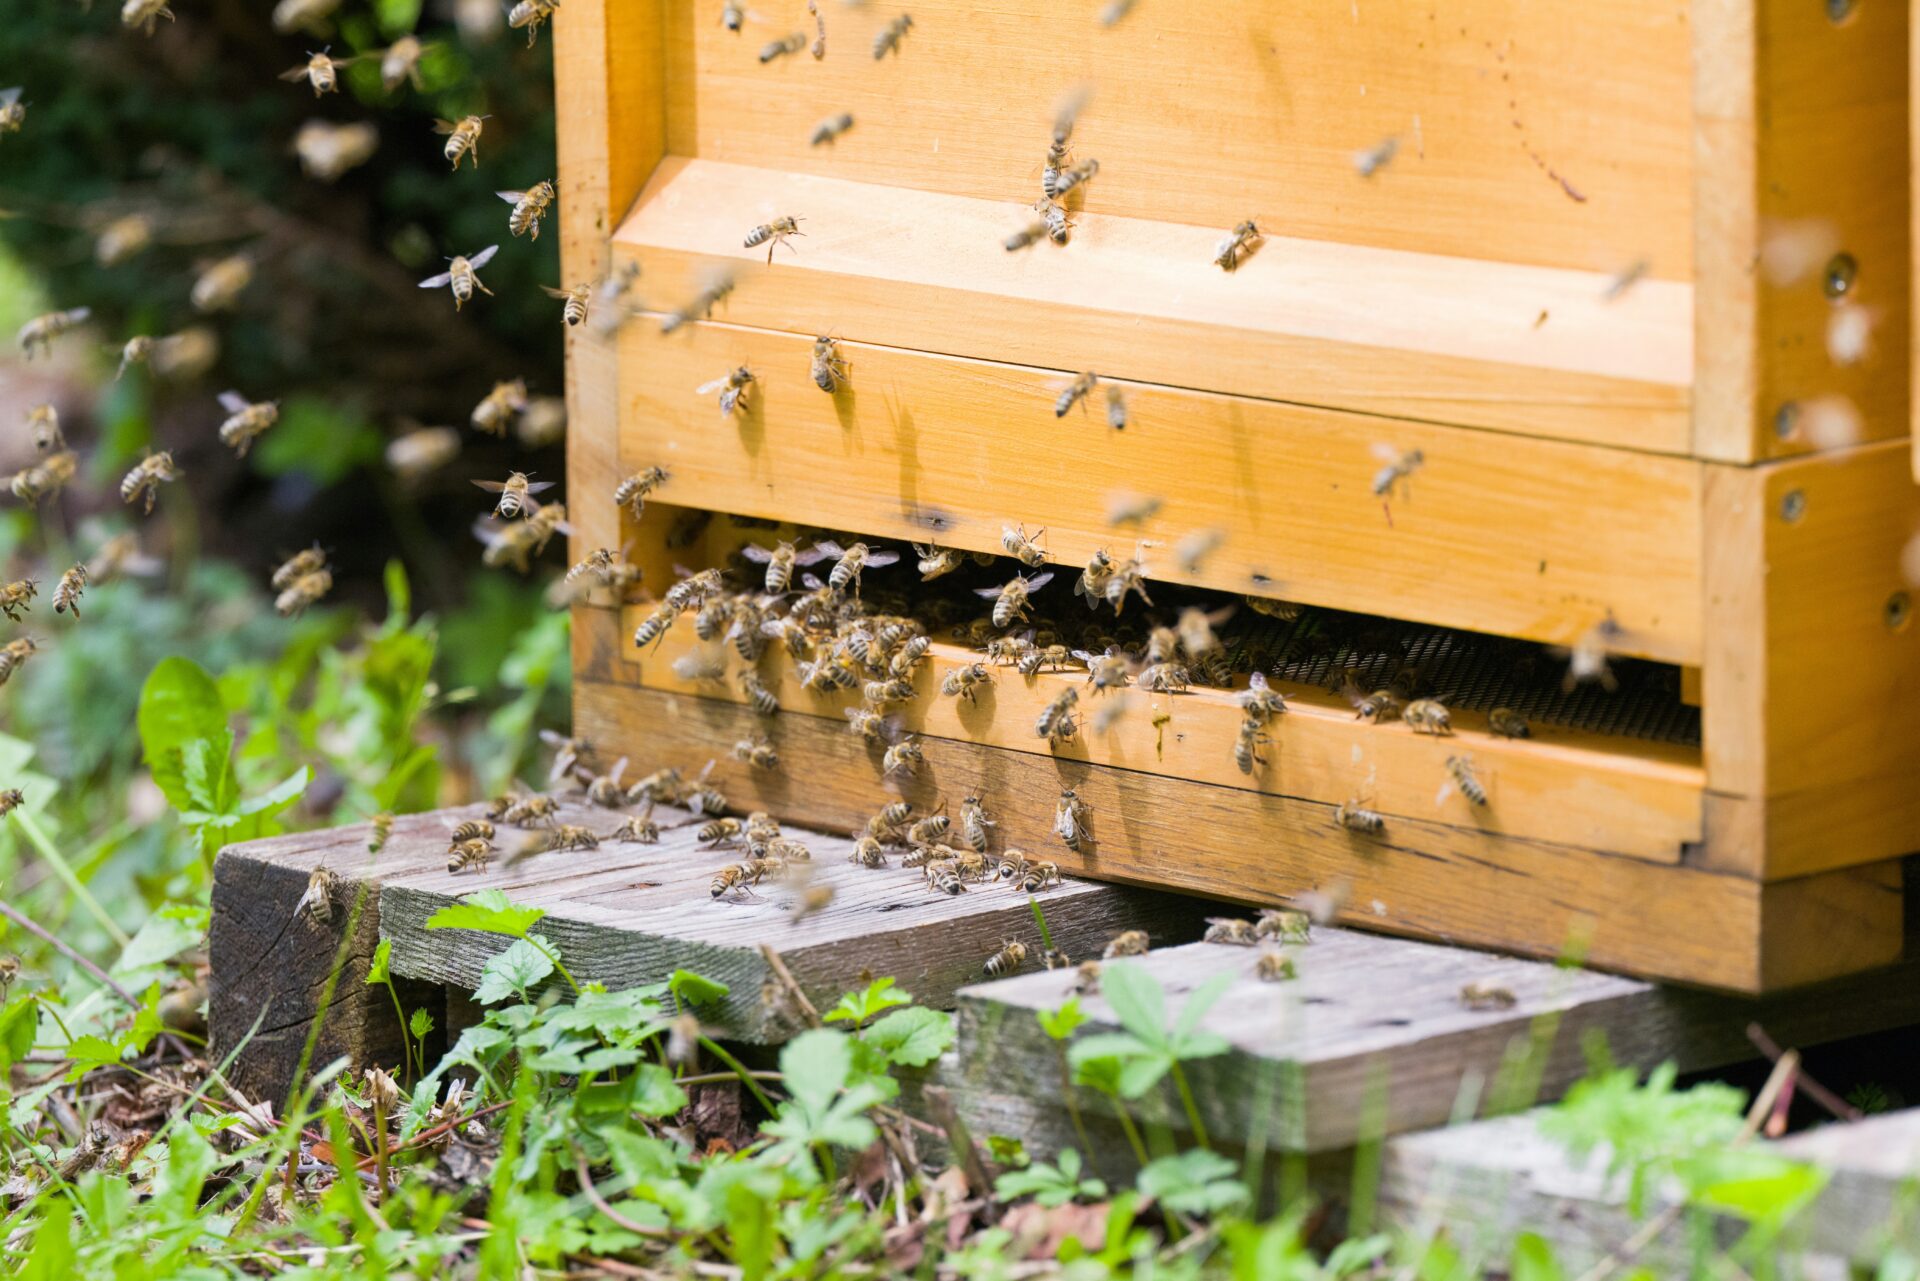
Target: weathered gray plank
column 1373, row 1038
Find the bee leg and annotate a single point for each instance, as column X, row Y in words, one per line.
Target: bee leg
column 482, row 287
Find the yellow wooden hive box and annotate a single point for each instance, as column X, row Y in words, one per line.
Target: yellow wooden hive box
column 1611, row 283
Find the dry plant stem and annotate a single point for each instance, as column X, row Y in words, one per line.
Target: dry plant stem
column 592, row 1192
column 13, row 914
column 1819, row 1093
column 785, row 975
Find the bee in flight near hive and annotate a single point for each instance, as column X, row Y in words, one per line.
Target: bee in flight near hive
column 14, row 654
column 297, row 566
column 1375, row 158
column 1275, row 967
column 400, row 62
column 66, row 596
column 36, row 484
column 732, row 388
column 498, row 407
column 14, row 597
column 13, row 112
column 757, row 752
column 1285, row 924
column 134, row 351
column 632, row 492
column 529, row 207
column 145, row 14
column 530, row 14
column 1238, row 245
column 828, row 370
column 44, row 422
column 1078, row 176
column 831, row 128
column 577, row 303
column 37, row 335
column 889, row 38
column 1075, row 391
column 1587, row 660
column 381, row 828
column 1056, row 722
column 1023, row 547
column 780, row 563
column 320, row 70
column 516, row 494
column 774, row 233
column 1116, row 408
column 791, row 43
column 851, row 562
column 1010, row 599
column 1396, row 471
column 463, row 138
column 463, row 275
column 606, row 790
column 220, row 285
column 246, row 420
column 304, row 588
column 10, row 800
column 1460, row 769
column 146, row 477
column 1031, row 234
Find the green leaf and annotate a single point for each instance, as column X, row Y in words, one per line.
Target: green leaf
column 206, row 771
column 1756, row 1186
column 167, row 933
column 815, row 1065
column 179, row 704
column 639, row 1157
column 378, row 970
column 1137, row 999
column 912, row 1037
column 17, row 1020
column 421, row 1023
column 857, row 1008
column 489, row 911
column 1063, row 1022
column 1202, row 999
column 1194, row 1182
column 696, row 989
column 655, row 1092
column 1533, row 1260
column 513, row 972
column 399, row 592
column 90, row 1052
column 276, row 799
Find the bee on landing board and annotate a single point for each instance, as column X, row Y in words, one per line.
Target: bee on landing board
column 827, row 369
column 1238, row 245
column 774, row 233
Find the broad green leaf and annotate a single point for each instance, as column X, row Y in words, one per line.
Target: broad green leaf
column 655, row 1092
column 90, row 1052
column 167, row 933
column 421, row 1023
column 179, row 704
column 696, row 989
column 637, row 1157
column 912, row 1037
column 17, row 1019
column 1137, row 999
column 514, row 972
column 1533, row 1259
column 1194, row 1182
column 875, row 999
column 1756, row 1186
column 1202, row 999
column 206, row 771
column 277, row 798
column 1063, row 1022
column 815, row 1065
column 378, row 970
column 489, row 911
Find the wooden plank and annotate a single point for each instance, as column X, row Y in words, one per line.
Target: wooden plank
column 1528, row 538
column 1374, row 1027
column 1417, row 336
column 1811, row 676
column 1638, row 799
column 1479, row 98
column 1427, row 879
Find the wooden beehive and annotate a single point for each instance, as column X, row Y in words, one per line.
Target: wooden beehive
column 1662, row 454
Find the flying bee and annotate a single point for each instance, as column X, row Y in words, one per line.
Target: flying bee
column 1095, row 577
column 831, row 128
column 1010, row 600
column 1125, row 943
column 1259, row 700
column 1396, row 470
column 66, row 596
column 867, row 723
column 637, row 829
column 1114, row 10
column 320, row 70
column 1486, row 996
column 15, row 595
column 1076, row 390
column 1461, row 770
column 780, row 563
column 463, row 276
column 134, row 351
column 381, row 830
column 606, row 790
column 1375, row 158
column 693, row 590
column 732, row 388
column 1427, row 716
column 516, row 494
column 1246, row 748
column 718, row 286
column 14, row 654
column 529, row 207
column 463, row 138
column 850, row 562
column 530, row 14
column 1128, row 576
column 327, row 150
column 1110, row 670
column 827, row 369
column 121, row 239
column 499, row 406
column 1194, row 548
column 44, row 422
column 566, row 753
column 813, row 899
column 1284, row 610
column 146, row 477
column 1587, row 660
column 936, row 561
column 1234, row 930
column 757, row 752
column 1056, row 721
column 145, row 14
column 1354, row 818
column 974, row 824
column 400, row 62
column 774, row 233
column 577, row 302
column 10, row 800
column 246, row 420
column 1023, row 547
column 317, row 902
column 1070, row 819
column 905, row 755
column 1195, row 629
column 13, row 112
column 1116, row 408
column 598, row 563
column 1284, row 924
column 472, row 854
column 964, row 682
column 1079, row 175
column 220, row 285
column 1238, row 244
column 37, row 335
column 889, row 38
column 1275, row 967
column 1508, row 723
column 35, row 484
column 786, row 45
column 527, row 811
column 302, row 15
column 303, row 591
column 1009, row 958
column 632, row 492
column 1038, row 657
column 1026, row 237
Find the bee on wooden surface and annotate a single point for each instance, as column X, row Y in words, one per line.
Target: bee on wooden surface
column 868, row 724
column 497, row 409
column 1116, row 408
column 1056, row 162
column 722, row 831
column 1078, row 389
column 607, row 790
column 10, row 800
column 473, row 829
column 1427, row 716
column 1486, row 996
column 44, row 422
column 887, row 826
column 320, row 70
column 735, row 877
column 529, row 207
column 37, row 335
column 1246, row 748
column 1275, row 967
column 1259, row 700
column 146, row 477
column 1381, row 706
column 904, row 756
column 780, row 563
column 400, row 63
column 732, row 387
column 1111, row 670
column 1022, row 546
column 1009, row 958
column 1461, row 769
column 944, row 878
column 653, row 628
column 15, row 595
column 463, row 277
column 1079, row 175
column 527, row 811
column 567, row 753
column 1056, row 721
column 1375, row 158
column 1587, row 660
column 530, row 14
column 1396, row 468
column 974, row 824
column 1508, row 723
column 1011, row 598
column 868, row 852
column 637, row 829
column 1070, row 816
column 694, row 588
column 46, row 480
column 851, row 561
column 785, row 46
column 1283, row 925
column 1239, row 243
column 145, row 14
column 1234, row 930
column 894, row 689
column 777, row 232
column 565, row 836
column 1165, row 678
column 909, row 654
column 317, row 902
column 758, row 696
column 121, row 239
column 889, row 38
column 1028, row 236
column 472, row 854
column 1355, row 818
column 1038, row 657
column 1035, row 877
column 831, row 128
column 1129, row 576
column 463, row 138
column 1125, row 943
column 66, row 596
column 757, row 752
column 928, row 830
column 246, row 420
column 827, row 369
column 577, row 302
column 14, row 654
column 632, row 492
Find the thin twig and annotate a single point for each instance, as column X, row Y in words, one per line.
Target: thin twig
column 781, row 972
column 592, row 1193
column 33, row 927
column 1819, row 1093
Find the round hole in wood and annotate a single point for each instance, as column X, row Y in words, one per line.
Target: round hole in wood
column 1838, row 279
column 1897, row 613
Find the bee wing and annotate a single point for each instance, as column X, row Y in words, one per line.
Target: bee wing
column 511, row 197
column 553, row 738
column 551, row 292
column 826, row 547
column 290, row 75
column 619, row 768
column 232, row 401
column 490, row 531
column 437, row 282
column 540, row 486
column 444, row 126
column 990, row 593
column 491, row 486
column 1386, row 453
column 811, row 556
column 877, row 559
column 1038, row 581
column 484, row 257
column 756, row 553
column 811, row 582
column 707, row 389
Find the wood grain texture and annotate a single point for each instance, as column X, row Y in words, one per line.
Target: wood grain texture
column 1425, row 879
column 1455, row 340
column 1207, row 114
column 1378, row 1022
column 1528, row 538
column 1639, row 799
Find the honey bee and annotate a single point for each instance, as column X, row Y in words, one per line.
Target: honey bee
column 13, row 112
column 400, row 62
column 1056, row 721
column 134, row 351
column 1010, row 599
column 473, row 829
column 974, row 824
column 305, row 590
column 530, row 14
column 632, row 492
column 1116, row 408
column 1234, row 930
column 526, row 811
column 529, row 207
column 1070, row 820
column 577, row 302
column 906, row 755
column 1461, row 768
column 758, row 696
column 567, row 753
column 639, row 829
column 694, row 589
column 471, row 854
column 868, row 852
column 831, row 128
column 1275, row 967
column 815, row 898
column 1259, row 700
column 1396, row 468
column 1587, row 660
column 1125, row 943
column 1009, row 958
column 146, row 477
column 382, row 829
column 1026, row 237
column 44, row 422
column 774, row 233
column 780, row 563
column 911, row 651
column 1375, row 158
column 320, row 70
column 1351, row 816
column 1043, row 656
column 1626, row 278
column 1165, row 678
column 1035, row 877
column 1110, row 670
column 1075, row 391
column 606, row 790
column 1128, row 576
column 145, row 14
column 929, row 829
column 1238, row 244
column 121, row 239
column 1114, row 10
column 851, row 561
column 598, row 563
column 1486, row 996
column 1067, row 179
column 328, row 150
column 1246, row 748
column 827, row 370
column 221, row 284
column 732, row 388
column 1381, row 706
column 892, row 690
column 10, row 800
column 757, row 752
column 1130, row 509
column 66, row 596
column 936, row 561
column 1427, row 716
column 15, row 595
column 705, row 800
column 1095, row 577
column 246, row 420
column 37, row 335
column 317, row 902
column 734, row 877
column 791, row 43
column 889, row 38
column 965, row 682
column 463, row 138
column 565, row 836
column 516, row 494
column 722, row 831
column 1508, row 723
column 663, row 786
column 14, row 654
column 415, row 454
column 1191, row 550
column 1284, row 924
column 718, row 286
column 1023, row 547
column 463, row 276
column 944, row 878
